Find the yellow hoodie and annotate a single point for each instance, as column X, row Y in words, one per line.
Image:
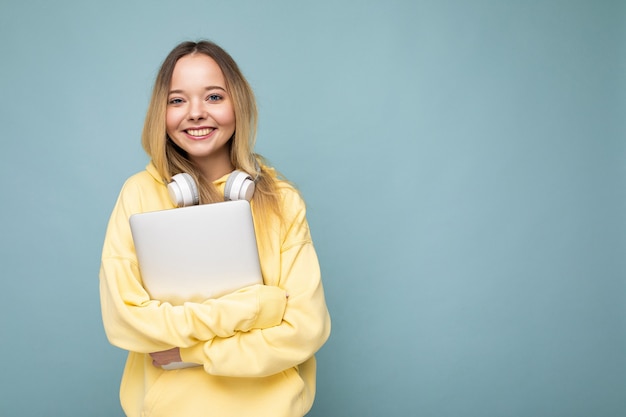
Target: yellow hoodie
column 256, row 345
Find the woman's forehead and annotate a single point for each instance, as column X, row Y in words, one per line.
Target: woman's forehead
column 197, row 69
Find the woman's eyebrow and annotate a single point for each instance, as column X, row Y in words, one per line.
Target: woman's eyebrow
column 209, row 88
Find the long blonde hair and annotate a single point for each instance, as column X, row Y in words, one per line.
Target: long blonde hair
column 169, row 159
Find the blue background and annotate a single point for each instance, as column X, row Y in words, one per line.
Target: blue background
column 463, row 164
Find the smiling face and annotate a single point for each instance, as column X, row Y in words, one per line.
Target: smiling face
column 200, row 117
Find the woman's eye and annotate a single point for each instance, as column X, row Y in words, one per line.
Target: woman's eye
column 214, row 97
column 175, row 101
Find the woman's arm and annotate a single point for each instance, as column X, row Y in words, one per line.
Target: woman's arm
column 134, row 322
column 305, row 325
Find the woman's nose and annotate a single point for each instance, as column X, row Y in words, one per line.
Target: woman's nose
column 197, row 111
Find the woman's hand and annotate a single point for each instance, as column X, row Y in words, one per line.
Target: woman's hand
column 165, row 357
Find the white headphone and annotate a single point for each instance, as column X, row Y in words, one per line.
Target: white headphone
column 184, row 191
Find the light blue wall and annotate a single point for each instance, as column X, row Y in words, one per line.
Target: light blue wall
column 463, row 163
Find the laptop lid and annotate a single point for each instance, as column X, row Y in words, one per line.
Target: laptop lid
column 196, row 253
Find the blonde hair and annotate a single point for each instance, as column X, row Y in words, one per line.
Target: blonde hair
column 169, row 159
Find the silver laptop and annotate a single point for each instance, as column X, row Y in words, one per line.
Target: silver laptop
column 196, row 253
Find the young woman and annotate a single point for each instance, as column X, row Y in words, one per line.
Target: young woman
column 256, row 345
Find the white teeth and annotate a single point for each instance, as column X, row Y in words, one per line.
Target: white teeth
column 199, row 132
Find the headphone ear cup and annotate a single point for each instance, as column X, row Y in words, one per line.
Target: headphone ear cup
column 183, row 190
column 239, row 186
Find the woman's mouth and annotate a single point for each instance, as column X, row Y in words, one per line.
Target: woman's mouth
column 199, row 132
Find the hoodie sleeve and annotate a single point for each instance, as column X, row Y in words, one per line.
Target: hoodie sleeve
column 135, row 322
column 306, row 322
